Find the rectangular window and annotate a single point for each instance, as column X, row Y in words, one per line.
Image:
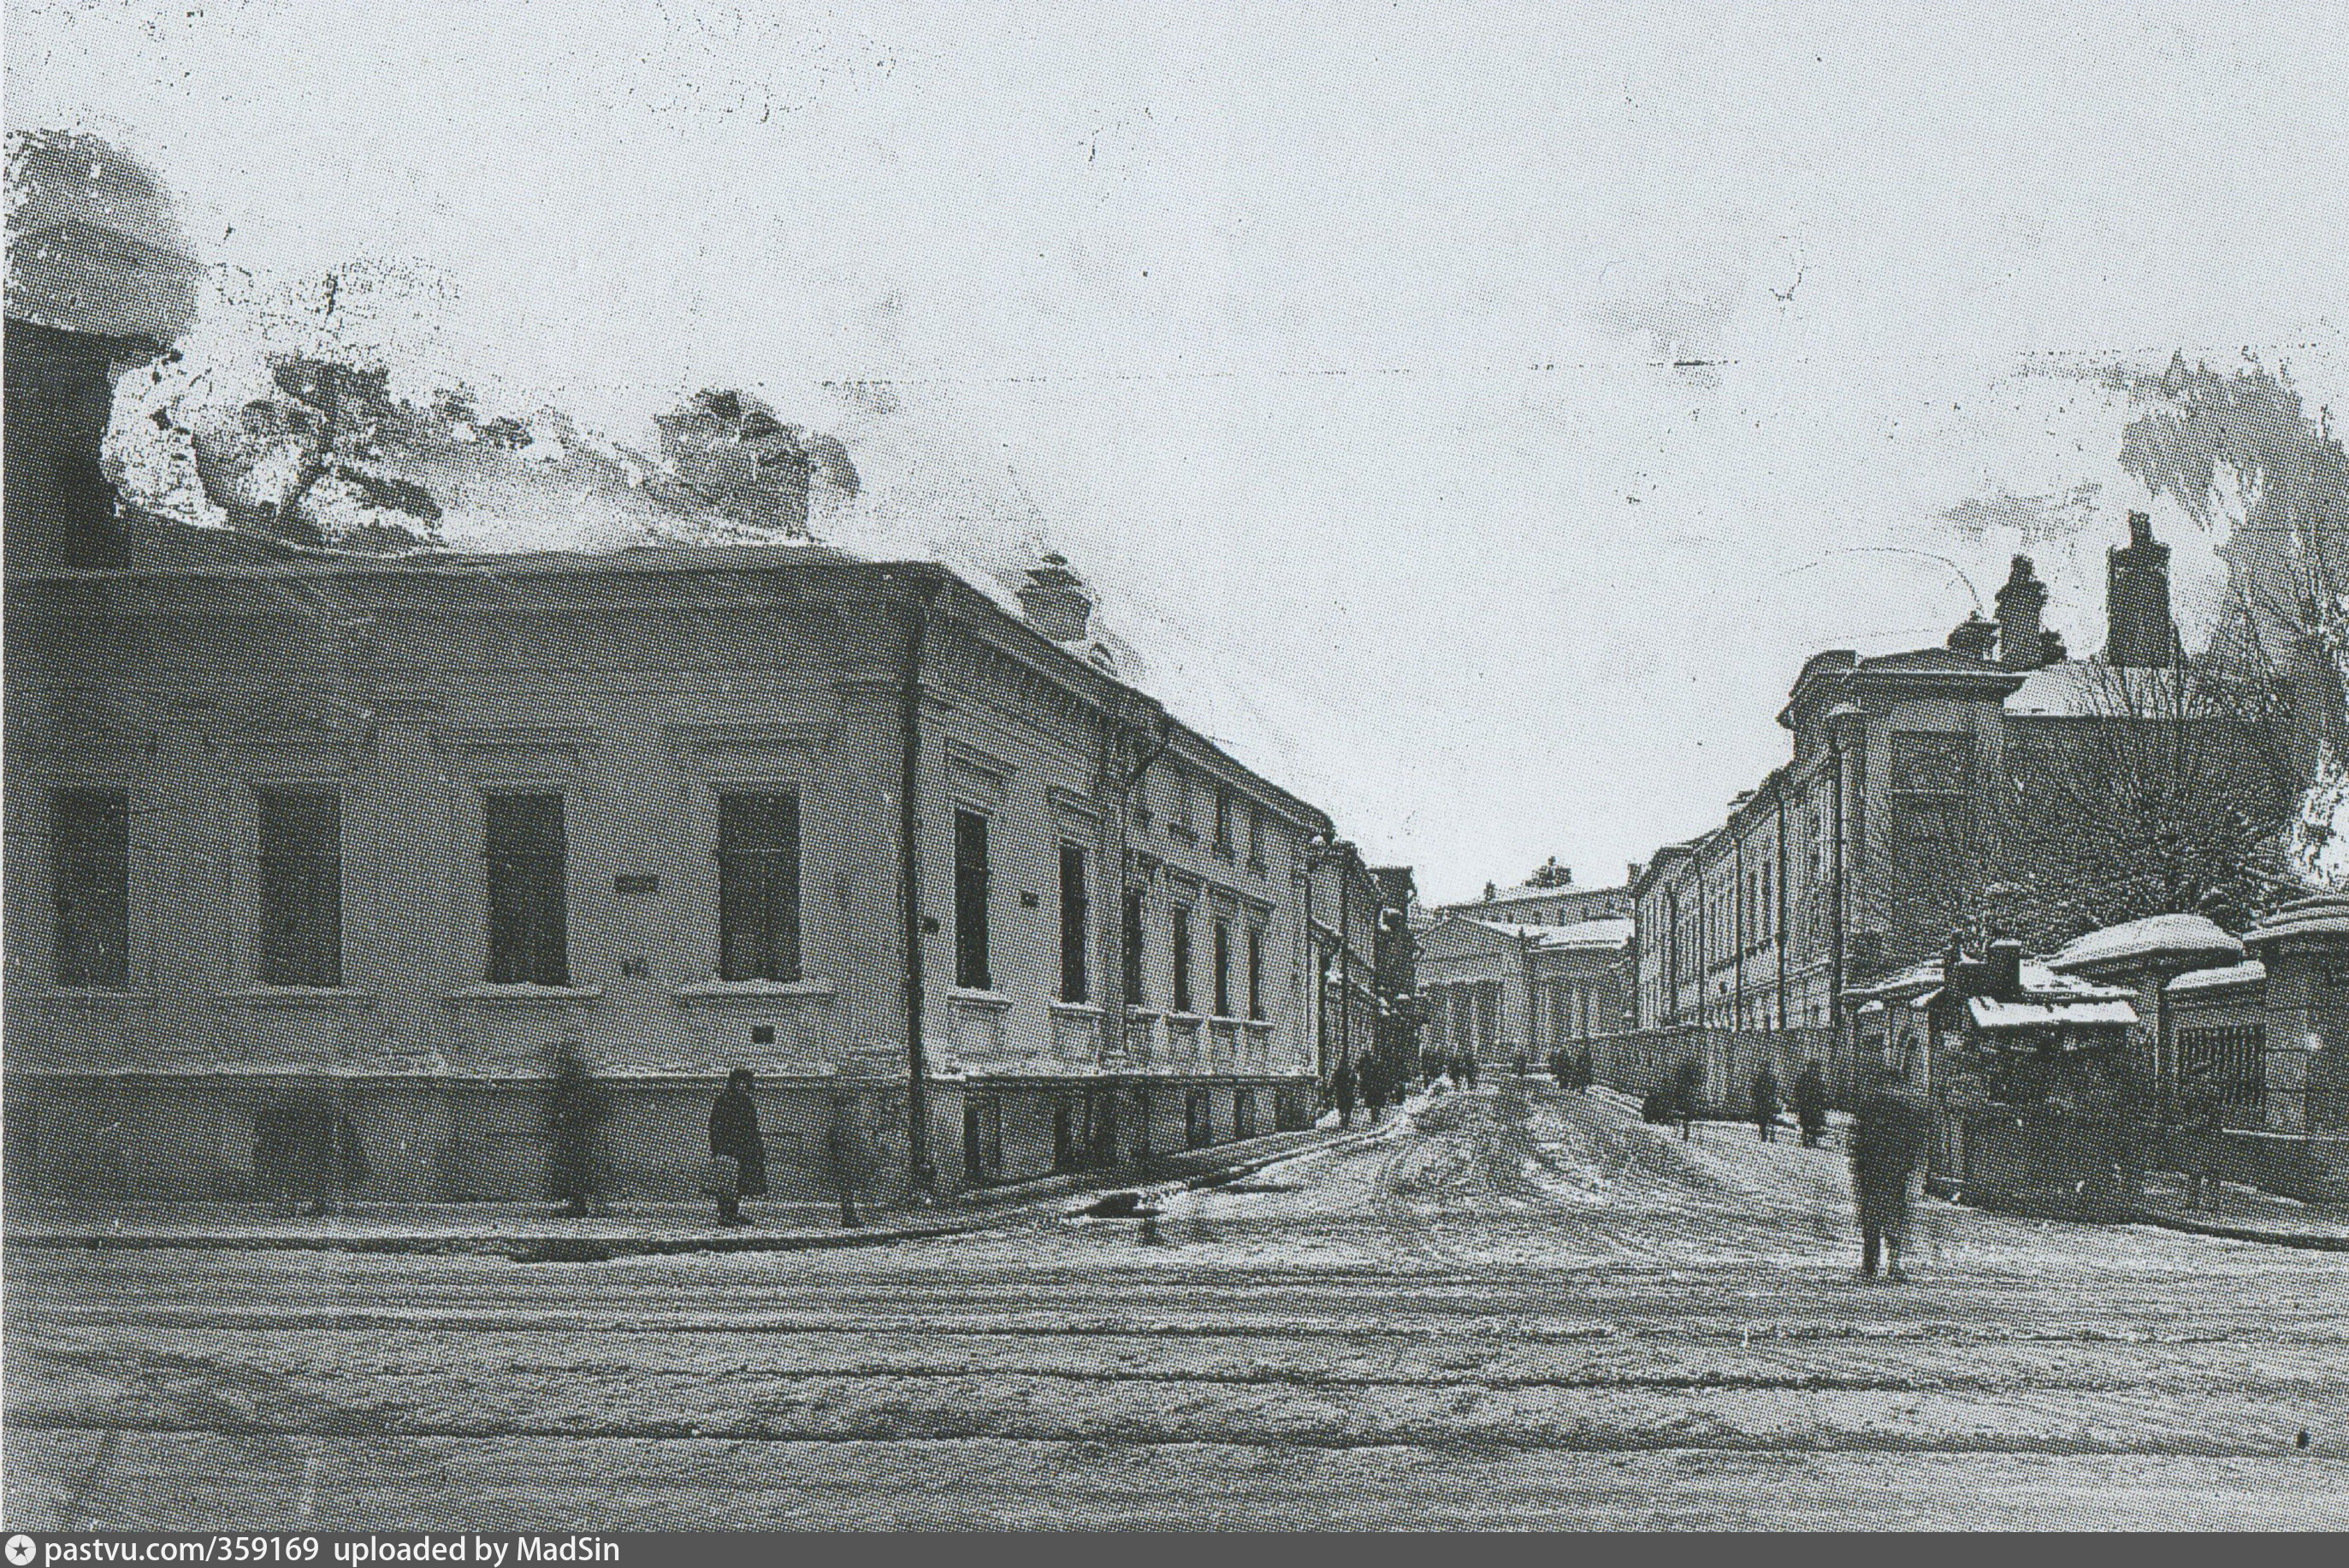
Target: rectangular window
column 1223, row 821
column 301, row 890
column 1243, row 1113
column 1223, row 969
column 1198, row 1120
column 1136, row 994
column 529, row 935
column 1255, row 972
column 1181, row 955
column 759, row 887
column 1075, row 926
column 90, row 863
column 982, row 1137
column 971, row 970
column 1255, row 834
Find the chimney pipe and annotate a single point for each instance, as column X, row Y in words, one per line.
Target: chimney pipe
column 1054, row 599
column 2136, row 600
column 1974, row 637
column 2019, row 646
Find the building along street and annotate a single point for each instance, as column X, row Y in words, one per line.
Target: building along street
column 1521, row 1308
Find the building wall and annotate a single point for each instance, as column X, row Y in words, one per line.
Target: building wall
column 639, row 697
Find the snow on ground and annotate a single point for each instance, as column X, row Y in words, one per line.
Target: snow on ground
column 1520, row 1307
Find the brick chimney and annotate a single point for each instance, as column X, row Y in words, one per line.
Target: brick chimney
column 2019, row 646
column 2139, row 635
column 1974, row 637
column 1055, row 599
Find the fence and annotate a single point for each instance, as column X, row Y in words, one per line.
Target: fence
column 1650, row 1059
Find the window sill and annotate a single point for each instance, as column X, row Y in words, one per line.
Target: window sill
column 1179, row 830
column 299, row 997
column 1258, row 866
column 1256, row 1025
column 1185, row 1020
column 706, row 991
column 1077, row 1009
column 1226, row 852
column 526, row 995
column 982, row 1001
column 92, row 996
column 1143, row 1015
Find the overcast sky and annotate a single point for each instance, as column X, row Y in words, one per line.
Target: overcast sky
column 1337, row 345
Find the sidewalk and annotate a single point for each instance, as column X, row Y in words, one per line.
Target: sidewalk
column 533, row 1232
column 2244, row 1214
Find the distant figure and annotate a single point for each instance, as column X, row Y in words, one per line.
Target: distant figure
column 1888, row 1141
column 1374, row 1087
column 1766, row 1103
column 1342, row 1085
column 734, row 1135
column 1688, row 1095
column 844, row 1148
column 304, row 1152
column 576, row 1106
column 1811, row 1104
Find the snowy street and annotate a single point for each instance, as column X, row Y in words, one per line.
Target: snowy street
column 1523, row 1309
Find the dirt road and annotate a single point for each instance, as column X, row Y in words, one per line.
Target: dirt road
column 1525, row 1310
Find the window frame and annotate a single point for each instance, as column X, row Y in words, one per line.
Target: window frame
column 78, row 962
column 973, row 878
column 277, row 953
column 1178, row 957
column 778, row 938
column 552, row 915
column 1076, row 923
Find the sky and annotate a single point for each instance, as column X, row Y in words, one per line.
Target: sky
column 1472, row 413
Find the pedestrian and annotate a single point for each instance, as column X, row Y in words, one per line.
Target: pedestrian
column 576, row 1106
column 1688, row 1095
column 734, row 1135
column 845, row 1148
column 1766, row 1103
column 1374, row 1087
column 1342, row 1085
column 1811, row 1104
column 1887, row 1140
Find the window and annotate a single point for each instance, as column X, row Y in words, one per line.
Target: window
column 1255, row 834
column 1243, row 1112
column 1198, row 1120
column 1223, row 821
column 970, row 903
column 1255, row 972
column 1180, row 825
column 1074, row 925
column 2231, row 1062
column 1135, row 994
column 90, row 862
column 1181, row 955
column 1223, row 969
column 529, row 940
column 759, row 887
column 301, row 890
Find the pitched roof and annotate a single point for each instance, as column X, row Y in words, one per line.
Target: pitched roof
column 2251, row 972
column 2320, row 914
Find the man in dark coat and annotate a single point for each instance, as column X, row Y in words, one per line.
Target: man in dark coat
column 1766, row 1102
column 1887, row 1140
column 577, row 1107
column 734, row 1133
column 1811, row 1103
column 1342, row 1085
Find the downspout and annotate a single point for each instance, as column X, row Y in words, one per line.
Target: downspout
column 1737, row 924
column 1778, row 903
column 923, row 1174
column 1836, row 912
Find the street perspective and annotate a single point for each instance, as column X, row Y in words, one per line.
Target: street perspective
column 1435, row 766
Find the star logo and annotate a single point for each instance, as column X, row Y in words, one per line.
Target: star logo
column 20, row 1550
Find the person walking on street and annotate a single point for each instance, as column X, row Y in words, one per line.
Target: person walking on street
column 1811, row 1104
column 578, row 1105
column 734, row 1135
column 845, row 1147
column 1766, row 1103
column 1342, row 1085
column 1887, row 1139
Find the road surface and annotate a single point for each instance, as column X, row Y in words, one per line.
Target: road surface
column 1523, row 1310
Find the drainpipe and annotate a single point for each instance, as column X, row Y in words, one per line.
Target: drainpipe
column 923, row 1174
column 1778, row 906
column 1837, row 722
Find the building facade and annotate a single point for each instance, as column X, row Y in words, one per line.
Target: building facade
column 1871, row 843
column 382, row 835
column 1500, row 992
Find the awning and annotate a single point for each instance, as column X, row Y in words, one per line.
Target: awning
column 1990, row 1013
